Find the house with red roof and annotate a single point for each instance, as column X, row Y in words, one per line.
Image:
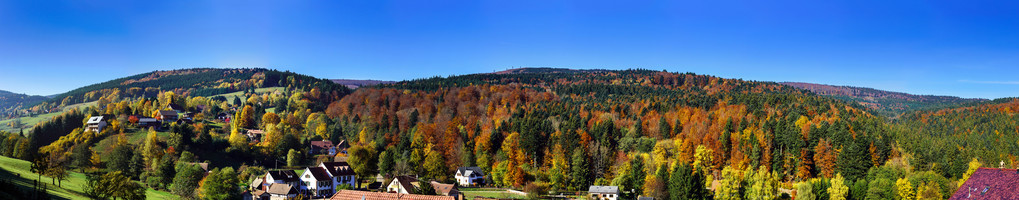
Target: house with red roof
column 990, row 183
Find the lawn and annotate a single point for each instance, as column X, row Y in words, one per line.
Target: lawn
column 471, row 193
column 230, row 96
column 20, row 173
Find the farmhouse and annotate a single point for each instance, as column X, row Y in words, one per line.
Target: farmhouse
column 990, row 183
column 446, row 189
column 167, row 115
column 603, row 192
column 148, row 122
column 288, row 177
column 470, row 176
column 95, row 124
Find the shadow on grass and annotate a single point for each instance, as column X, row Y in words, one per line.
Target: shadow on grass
column 13, row 186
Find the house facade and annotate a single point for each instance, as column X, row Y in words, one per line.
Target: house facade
column 365, row 195
column 288, row 177
column 168, row 115
column 341, row 173
column 317, row 182
column 95, row 124
column 402, row 185
column 603, row 192
column 470, row 176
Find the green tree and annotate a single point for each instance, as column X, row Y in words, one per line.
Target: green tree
column 221, row 184
column 120, row 159
column 363, row 160
column 880, row 188
column 435, row 166
column 425, row 188
column 112, row 184
column 859, row 191
column 853, row 161
column 387, row 161
column 685, row 183
column 763, row 185
column 579, row 170
column 186, row 181
column 293, row 158
column 838, row 189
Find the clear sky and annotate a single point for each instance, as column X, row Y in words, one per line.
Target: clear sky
column 961, row 48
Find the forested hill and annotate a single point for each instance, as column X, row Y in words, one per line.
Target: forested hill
column 580, row 128
column 187, row 82
column 889, row 104
column 10, row 102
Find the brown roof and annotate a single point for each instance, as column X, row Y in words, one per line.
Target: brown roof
column 324, row 144
column 339, row 168
column 282, row 189
column 363, row 195
column 167, row 113
column 319, row 173
column 407, row 182
column 990, row 183
column 444, row 189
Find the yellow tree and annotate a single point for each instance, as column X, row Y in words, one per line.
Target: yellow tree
column 973, row 166
column 703, row 158
column 904, row 189
column 838, row 189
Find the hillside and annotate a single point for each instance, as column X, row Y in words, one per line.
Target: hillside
column 889, row 104
column 10, row 102
column 522, row 125
column 356, row 83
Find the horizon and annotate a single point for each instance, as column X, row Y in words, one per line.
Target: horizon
column 943, row 48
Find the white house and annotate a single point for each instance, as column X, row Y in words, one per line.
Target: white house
column 470, row 176
column 341, row 173
column 317, row 182
column 288, row 177
column 281, row 191
column 95, row 124
column 403, row 185
column 603, row 192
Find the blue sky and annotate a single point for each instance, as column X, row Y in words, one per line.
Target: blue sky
column 960, row 48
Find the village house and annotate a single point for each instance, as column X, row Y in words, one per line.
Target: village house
column 470, row 176
column 603, row 192
column 322, row 147
column 167, row 115
column 95, row 124
column 365, row 195
column 176, row 108
column 341, row 173
column 403, row 185
column 148, row 122
column 990, row 183
column 317, row 182
column 254, row 135
column 278, row 191
column 288, row 177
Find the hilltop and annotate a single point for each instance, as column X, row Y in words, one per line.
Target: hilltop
column 887, row 103
column 10, row 102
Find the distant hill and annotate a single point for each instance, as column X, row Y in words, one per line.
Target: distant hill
column 545, row 70
column 10, row 102
column 354, row 83
column 890, row 104
column 188, row 82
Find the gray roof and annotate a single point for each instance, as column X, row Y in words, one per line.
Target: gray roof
column 466, row 171
column 95, row 119
column 603, row 189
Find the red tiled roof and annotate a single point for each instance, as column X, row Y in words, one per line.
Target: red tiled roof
column 363, row 195
column 990, row 183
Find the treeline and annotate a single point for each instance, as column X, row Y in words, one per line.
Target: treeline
column 526, row 128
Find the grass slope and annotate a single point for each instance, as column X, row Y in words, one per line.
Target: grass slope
column 72, row 187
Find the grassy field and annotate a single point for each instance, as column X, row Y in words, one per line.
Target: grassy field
column 19, row 171
column 231, row 96
column 29, row 122
column 472, row 193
